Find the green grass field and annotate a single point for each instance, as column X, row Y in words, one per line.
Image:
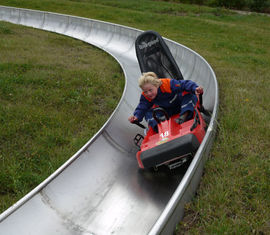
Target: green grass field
column 51, row 103
column 233, row 197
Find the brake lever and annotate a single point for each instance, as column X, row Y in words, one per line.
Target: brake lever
column 139, row 124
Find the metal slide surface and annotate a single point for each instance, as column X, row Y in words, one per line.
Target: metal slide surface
column 100, row 189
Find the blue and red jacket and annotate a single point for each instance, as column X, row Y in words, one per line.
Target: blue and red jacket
column 169, row 97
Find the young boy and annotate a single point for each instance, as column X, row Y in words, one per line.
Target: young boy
column 168, row 94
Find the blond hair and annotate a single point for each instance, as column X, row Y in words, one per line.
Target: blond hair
column 149, row 77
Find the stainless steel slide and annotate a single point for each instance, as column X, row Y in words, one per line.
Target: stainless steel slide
column 100, row 189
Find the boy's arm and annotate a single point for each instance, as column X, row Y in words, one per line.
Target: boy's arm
column 183, row 85
column 142, row 107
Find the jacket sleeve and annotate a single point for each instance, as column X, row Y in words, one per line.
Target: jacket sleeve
column 142, row 108
column 183, row 85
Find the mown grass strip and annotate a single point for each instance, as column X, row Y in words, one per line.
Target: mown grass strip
column 233, row 195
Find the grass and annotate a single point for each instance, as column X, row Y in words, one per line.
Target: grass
column 53, row 99
column 233, row 197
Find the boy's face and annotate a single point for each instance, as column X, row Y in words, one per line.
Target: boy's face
column 150, row 90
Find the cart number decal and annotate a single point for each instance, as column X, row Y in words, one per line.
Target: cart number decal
column 164, row 138
column 164, row 135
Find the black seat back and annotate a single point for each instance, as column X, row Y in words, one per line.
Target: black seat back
column 154, row 56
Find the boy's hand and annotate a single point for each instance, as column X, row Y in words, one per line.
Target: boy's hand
column 199, row 90
column 132, row 119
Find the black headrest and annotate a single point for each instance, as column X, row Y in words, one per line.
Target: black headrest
column 154, row 56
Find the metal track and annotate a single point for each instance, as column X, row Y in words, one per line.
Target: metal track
column 100, row 190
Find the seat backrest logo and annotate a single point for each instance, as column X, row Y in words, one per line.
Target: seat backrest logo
column 148, row 44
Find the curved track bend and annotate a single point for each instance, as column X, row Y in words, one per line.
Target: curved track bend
column 100, row 190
